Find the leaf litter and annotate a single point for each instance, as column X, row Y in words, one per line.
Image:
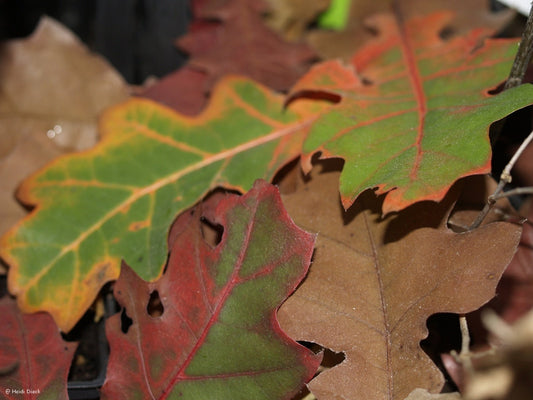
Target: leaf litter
column 374, row 281
column 217, row 334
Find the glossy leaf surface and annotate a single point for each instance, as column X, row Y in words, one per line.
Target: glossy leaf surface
column 218, row 335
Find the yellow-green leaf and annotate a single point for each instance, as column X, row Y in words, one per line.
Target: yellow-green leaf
column 118, row 199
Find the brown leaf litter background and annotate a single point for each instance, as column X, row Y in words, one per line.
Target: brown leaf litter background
column 374, row 282
column 51, row 93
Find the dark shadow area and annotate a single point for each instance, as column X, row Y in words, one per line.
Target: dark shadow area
column 136, row 36
column 443, row 337
column 88, row 368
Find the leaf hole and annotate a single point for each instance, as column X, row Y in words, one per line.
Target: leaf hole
column 330, row 358
column 155, row 307
column 212, row 233
column 444, row 336
column 366, row 81
column 125, row 321
column 317, row 95
column 447, row 33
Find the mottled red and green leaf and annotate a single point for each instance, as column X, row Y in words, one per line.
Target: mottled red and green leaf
column 218, row 335
column 34, row 358
column 414, row 109
column 117, row 201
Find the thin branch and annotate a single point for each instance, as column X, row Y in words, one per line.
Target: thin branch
column 523, row 55
column 464, row 355
column 513, row 192
column 465, row 334
column 516, row 76
column 505, row 178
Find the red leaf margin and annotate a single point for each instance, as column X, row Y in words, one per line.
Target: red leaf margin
column 34, row 358
column 160, row 357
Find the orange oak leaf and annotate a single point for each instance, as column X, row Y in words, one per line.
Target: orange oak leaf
column 468, row 15
column 374, row 281
column 414, row 110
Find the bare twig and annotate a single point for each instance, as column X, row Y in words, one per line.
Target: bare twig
column 464, row 355
column 523, row 55
column 505, row 178
column 513, row 192
column 516, row 76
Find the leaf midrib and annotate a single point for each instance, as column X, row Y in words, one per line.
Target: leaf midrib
column 169, row 180
column 415, row 80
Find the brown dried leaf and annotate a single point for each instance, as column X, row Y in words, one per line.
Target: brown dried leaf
column 422, row 394
column 240, row 43
column 515, row 290
column 51, row 92
column 374, row 282
column 291, row 18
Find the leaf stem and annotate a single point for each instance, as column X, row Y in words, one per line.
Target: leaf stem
column 523, row 55
column 464, row 357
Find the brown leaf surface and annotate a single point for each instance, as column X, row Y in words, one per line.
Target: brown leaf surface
column 515, row 289
column 51, row 92
column 291, row 18
column 469, row 15
column 422, row 394
column 184, row 90
column 374, row 282
column 240, row 43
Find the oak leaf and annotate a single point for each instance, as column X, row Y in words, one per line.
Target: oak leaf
column 421, row 394
column 468, row 15
column 218, row 335
column 228, row 38
column 239, row 42
column 118, row 200
column 51, row 93
column 374, row 281
column 35, row 361
column 291, row 18
column 414, row 110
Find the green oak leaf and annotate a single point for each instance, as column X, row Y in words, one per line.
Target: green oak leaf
column 414, row 109
column 118, row 200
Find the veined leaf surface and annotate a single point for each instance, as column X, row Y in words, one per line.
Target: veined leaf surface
column 414, row 110
column 374, row 282
column 118, row 199
column 34, row 358
column 218, row 335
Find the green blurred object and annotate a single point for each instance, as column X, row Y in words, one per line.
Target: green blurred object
column 336, row 16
